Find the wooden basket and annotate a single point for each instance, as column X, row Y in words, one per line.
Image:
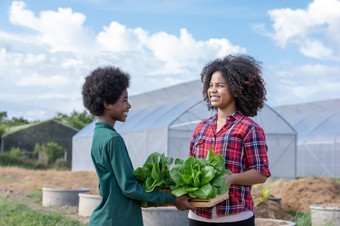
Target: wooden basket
column 196, row 202
column 208, row 202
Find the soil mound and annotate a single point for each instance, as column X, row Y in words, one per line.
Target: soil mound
column 298, row 195
column 271, row 209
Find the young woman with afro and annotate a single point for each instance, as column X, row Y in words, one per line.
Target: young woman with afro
column 232, row 86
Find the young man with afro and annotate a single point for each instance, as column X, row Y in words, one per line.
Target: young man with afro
column 105, row 96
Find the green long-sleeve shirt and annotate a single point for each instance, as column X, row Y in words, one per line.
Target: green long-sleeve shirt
column 119, row 188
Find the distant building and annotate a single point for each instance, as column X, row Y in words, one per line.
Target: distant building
column 318, row 142
column 26, row 136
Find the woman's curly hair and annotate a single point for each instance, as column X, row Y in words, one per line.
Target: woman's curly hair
column 104, row 85
column 243, row 77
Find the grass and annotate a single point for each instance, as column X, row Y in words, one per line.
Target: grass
column 301, row 219
column 36, row 196
column 337, row 179
column 17, row 213
column 8, row 179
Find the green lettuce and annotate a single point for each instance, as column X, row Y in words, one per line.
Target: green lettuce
column 200, row 178
column 155, row 174
column 196, row 177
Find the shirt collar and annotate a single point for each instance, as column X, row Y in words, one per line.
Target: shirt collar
column 104, row 125
column 236, row 116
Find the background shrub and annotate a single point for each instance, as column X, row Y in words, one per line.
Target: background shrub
column 7, row 160
column 52, row 150
column 15, row 152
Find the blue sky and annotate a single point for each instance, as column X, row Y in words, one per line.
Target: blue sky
column 48, row 47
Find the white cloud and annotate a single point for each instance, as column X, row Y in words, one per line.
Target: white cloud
column 40, row 80
column 289, row 83
column 118, row 38
column 62, row 30
column 48, row 59
column 32, row 114
column 289, row 25
column 29, row 97
column 20, row 16
column 315, row 49
column 72, row 62
column 315, row 29
column 174, row 53
column 32, row 60
column 225, row 47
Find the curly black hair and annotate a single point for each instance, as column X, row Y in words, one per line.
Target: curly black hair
column 243, row 77
column 104, row 85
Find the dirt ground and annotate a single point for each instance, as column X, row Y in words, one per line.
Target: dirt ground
column 298, row 195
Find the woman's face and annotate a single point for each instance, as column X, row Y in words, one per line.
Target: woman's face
column 219, row 93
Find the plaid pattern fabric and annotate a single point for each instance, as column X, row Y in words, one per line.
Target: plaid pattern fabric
column 242, row 143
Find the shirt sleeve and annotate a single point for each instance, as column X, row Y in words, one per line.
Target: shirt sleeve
column 123, row 171
column 194, row 139
column 256, row 150
column 192, row 143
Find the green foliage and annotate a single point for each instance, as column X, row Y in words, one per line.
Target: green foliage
column 61, row 164
column 36, row 196
column 265, row 194
column 3, row 116
column 6, row 123
column 200, row 178
column 50, row 155
column 75, row 119
column 15, row 152
column 337, row 179
column 4, row 120
column 52, row 150
column 3, row 129
column 7, row 160
column 20, row 214
column 301, row 219
column 154, row 174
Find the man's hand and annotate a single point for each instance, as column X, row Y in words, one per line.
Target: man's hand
column 182, row 203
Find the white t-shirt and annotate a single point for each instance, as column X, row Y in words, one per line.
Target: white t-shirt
column 221, row 219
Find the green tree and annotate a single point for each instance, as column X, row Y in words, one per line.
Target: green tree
column 17, row 121
column 3, row 116
column 14, row 121
column 3, row 127
column 6, row 123
column 75, row 119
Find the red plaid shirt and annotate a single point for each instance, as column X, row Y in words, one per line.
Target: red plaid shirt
column 242, row 143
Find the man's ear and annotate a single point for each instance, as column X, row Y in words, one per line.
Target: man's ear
column 106, row 106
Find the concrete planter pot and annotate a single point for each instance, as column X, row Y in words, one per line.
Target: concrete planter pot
column 325, row 214
column 272, row 222
column 164, row 216
column 276, row 199
column 87, row 203
column 53, row 197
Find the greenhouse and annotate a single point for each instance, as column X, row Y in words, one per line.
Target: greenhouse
column 318, row 128
column 163, row 121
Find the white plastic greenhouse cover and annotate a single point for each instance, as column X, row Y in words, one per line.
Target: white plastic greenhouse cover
column 318, row 127
column 163, row 121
